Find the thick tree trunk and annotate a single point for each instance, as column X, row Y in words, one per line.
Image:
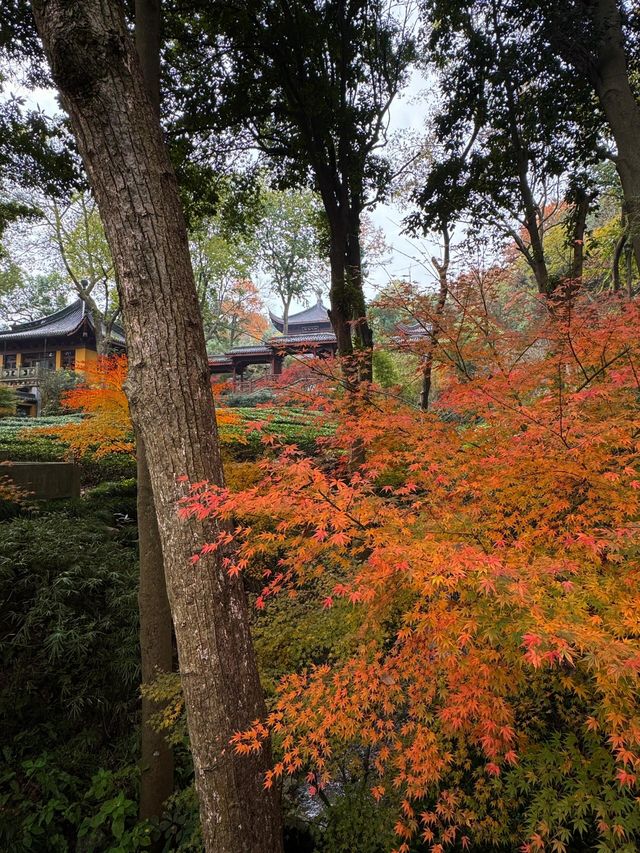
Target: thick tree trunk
column 341, row 312
column 156, row 629
column 156, row 646
column 355, row 286
column 610, row 78
column 97, row 72
column 348, row 312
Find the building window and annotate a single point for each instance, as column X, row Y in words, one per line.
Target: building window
column 10, row 361
column 44, row 359
column 68, row 360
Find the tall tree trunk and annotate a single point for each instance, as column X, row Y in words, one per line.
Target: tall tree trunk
column 442, row 268
column 355, row 286
column 533, row 216
column 285, row 317
column 95, row 67
column 156, row 630
column 348, row 312
column 341, row 312
column 156, row 645
column 615, row 264
column 610, row 77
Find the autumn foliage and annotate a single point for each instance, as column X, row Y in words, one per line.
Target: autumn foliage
column 107, row 427
column 490, row 550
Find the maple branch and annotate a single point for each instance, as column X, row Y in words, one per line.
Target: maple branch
column 602, row 369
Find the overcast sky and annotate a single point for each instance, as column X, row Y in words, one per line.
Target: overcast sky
column 407, row 256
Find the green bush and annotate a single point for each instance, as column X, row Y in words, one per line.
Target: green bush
column 7, row 401
column 355, row 822
column 69, row 692
column 65, row 813
column 53, row 385
column 20, row 442
column 255, row 398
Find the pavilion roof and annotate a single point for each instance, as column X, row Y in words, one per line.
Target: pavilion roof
column 414, row 330
column 61, row 323
column 316, row 314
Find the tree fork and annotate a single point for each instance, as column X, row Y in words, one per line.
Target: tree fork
column 96, row 69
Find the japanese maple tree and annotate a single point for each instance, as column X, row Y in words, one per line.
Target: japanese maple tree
column 490, row 550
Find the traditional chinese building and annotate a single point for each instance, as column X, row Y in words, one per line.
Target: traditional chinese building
column 308, row 333
column 65, row 340
column 311, row 321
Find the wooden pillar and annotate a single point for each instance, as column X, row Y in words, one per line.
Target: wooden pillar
column 276, row 364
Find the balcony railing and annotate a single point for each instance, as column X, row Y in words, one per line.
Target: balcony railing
column 23, row 375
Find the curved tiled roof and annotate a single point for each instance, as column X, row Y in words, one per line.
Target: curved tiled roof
column 316, row 314
column 63, row 322
column 414, row 330
column 311, row 338
column 259, row 349
column 289, row 343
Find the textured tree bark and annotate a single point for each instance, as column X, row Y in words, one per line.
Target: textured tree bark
column 156, row 646
column 95, row 67
column 355, row 287
column 348, row 310
column 340, row 313
column 610, row 77
column 156, row 629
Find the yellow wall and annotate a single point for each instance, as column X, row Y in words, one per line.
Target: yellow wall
column 85, row 357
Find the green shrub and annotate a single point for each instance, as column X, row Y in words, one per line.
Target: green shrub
column 65, row 813
column 255, row 398
column 7, row 401
column 20, row 442
column 355, row 821
column 68, row 627
column 69, row 646
column 53, row 385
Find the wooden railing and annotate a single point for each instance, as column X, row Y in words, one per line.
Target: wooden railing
column 24, row 375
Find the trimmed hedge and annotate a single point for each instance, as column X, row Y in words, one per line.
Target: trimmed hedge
column 292, row 426
column 18, row 445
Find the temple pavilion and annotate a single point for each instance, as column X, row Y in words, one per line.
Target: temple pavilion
column 63, row 340
column 308, row 333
